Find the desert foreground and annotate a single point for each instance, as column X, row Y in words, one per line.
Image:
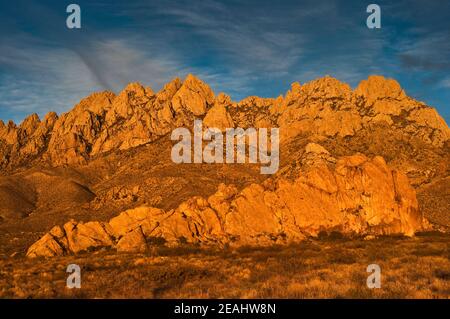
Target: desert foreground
column 329, row 267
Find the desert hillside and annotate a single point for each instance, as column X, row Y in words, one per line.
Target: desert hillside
column 364, row 162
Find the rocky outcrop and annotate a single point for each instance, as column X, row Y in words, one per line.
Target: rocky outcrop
column 330, row 108
column 218, row 116
column 353, row 195
column 72, row 237
column 194, row 96
column 23, row 143
column 314, row 154
column 322, row 106
column 134, row 241
column 116, row 196
column 384, row 100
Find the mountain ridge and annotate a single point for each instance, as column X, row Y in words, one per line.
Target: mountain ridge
column 104, row 121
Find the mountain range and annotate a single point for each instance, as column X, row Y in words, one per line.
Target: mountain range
column 368, row 161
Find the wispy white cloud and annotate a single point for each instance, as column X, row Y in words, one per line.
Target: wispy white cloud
column 55, row 79
column 429, row 52
column 445, row 83
column 42, row 80
column 244, row 40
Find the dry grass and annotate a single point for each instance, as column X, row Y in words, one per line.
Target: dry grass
column 327, row 268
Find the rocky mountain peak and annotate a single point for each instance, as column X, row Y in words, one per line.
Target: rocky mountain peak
column 223, row 99
column 293, row 94
column 169, row 89
column 326, row 88
column 97, row 103
column 378, row 87
column 29, row 124
column 138, row 89
column 193, row 96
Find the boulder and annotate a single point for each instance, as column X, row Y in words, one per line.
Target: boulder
column 133, row 241
column 84, row 236
column 145, row 218
column 54, row 243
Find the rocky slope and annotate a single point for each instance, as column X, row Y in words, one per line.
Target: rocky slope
column 111, row 153
column 355, row 196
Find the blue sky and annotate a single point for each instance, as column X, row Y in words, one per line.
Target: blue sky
column 239, row 47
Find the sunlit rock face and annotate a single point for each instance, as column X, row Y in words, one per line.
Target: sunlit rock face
column 353, row 195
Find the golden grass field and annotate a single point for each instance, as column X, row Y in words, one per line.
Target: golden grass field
column 330, row 267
